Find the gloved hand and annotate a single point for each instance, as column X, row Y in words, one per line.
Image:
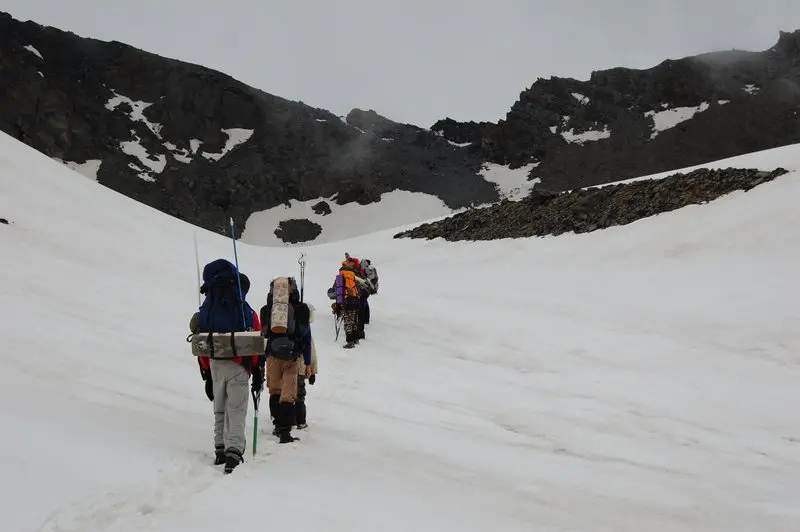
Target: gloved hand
column 258, row 380
column 210, row 389
column 312, row 379
column 337, row 309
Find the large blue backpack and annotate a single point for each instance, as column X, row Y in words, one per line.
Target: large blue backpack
column 221, row 310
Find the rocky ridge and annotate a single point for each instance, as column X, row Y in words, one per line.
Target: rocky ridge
column 586, row 210
column 623, row 123
column 201, row 146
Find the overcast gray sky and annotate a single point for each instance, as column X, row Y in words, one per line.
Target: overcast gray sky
column 418, row 60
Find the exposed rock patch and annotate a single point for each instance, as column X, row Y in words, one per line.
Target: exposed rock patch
column 296, row 231
column 582, row 211
column 322, row 208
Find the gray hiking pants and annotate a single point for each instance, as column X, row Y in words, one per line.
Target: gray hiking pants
column 231, row 396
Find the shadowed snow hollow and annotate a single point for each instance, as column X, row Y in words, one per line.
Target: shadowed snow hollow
column 637, row 378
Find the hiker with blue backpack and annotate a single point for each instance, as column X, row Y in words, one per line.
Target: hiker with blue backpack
column 229, row 348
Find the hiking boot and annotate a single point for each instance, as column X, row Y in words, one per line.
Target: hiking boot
column 286, row 422
column 301, row 426
column 300, row 412
column 219, row 456
column 232, row 459
column 287, row 437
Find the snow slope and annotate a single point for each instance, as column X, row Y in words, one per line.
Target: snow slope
column 643, row 377
column 395, row 209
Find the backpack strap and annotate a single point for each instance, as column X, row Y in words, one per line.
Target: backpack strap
column 233, row 345
column 210, row 338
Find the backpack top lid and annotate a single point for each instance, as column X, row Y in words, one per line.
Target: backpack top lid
column 222, row 272
column 223, row 309
column 294, row 292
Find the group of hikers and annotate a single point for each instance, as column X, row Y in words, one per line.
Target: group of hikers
column 236, row 346
column 357, row 280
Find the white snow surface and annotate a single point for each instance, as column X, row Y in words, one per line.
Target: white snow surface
column 395, row 209
column 137, row 111
column 584, row 100
column 591, row 135
column 751, row 89
column 236, row 136
column 669, row 118
column 459, row 144
column 33, row 50
column 156, row 163
column 642, row 377
column 512, row 184
column 88, row 168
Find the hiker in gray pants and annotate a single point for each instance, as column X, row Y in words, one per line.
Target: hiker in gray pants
column 231, row 397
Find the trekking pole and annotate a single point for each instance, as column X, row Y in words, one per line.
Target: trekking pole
column 238, row 278
column 337, row 325
column 302, row 262
column 197, row 262
column 256, row 400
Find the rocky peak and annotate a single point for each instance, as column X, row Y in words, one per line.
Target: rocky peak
column 788, row 43
column 370, row 121
column 625, row 122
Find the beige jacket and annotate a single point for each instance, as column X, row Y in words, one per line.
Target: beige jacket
column 301, row 366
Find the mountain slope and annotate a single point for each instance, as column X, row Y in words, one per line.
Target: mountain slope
column 201, row 146
column 633, row 377
column 623, row 123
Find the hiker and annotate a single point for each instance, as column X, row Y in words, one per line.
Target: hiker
column 348, row 301
column 287, row 329
column 300, row 404
column 365, row 289
column 226, row 379
column 371, row 275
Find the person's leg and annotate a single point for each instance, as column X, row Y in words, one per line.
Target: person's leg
column 300, row 403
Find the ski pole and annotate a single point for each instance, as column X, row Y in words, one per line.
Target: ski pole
column 302, row 262
column 238, row 278
column 256, row 400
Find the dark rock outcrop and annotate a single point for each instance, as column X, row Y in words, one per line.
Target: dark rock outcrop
column 585, row 210
column 296, row 231
column 201, row 146
column 742, row 101
column 3, row 221
column 322, row 208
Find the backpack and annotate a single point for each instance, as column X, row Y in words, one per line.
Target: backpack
column 346, row 286
column 284, row 319
column 222, row 308
column 371, row 274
